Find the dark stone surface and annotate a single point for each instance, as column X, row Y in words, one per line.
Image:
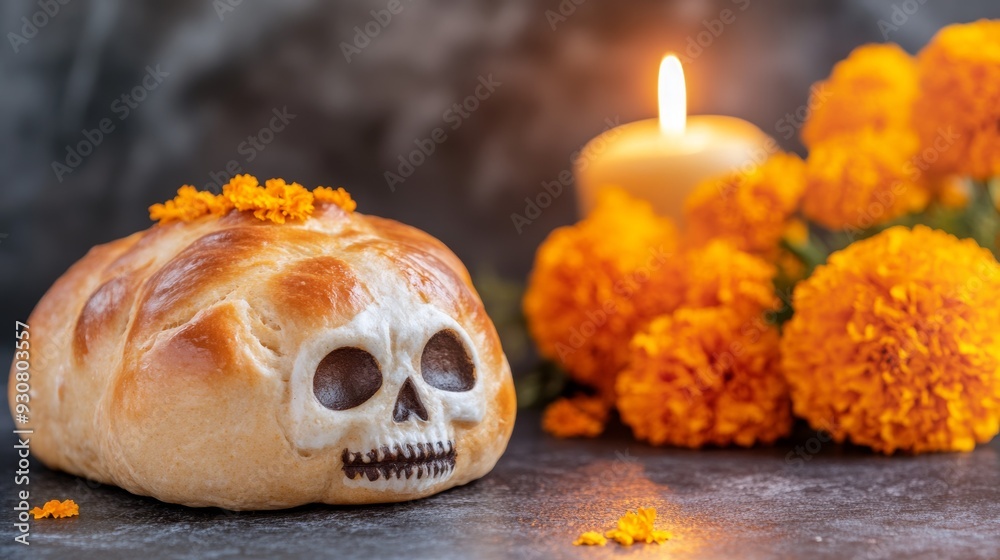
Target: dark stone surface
column 841, row 503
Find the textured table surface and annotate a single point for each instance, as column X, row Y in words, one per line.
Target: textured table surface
column 762, row 503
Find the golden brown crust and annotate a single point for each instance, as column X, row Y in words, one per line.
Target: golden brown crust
column 163, row 362
column 305, row 287
column 104, row 315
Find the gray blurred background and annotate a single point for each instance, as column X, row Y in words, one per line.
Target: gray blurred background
column 181, row 86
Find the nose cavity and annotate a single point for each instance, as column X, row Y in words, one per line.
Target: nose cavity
column 407, row 403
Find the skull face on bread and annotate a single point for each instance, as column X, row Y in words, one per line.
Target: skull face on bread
column 242, row 364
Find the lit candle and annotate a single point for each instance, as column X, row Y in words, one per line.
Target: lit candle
column 662, row 160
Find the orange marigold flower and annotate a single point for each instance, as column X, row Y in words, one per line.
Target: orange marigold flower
column 276, row 201
column 874, row 87
column 895, row 343
column 590, row 538
column 637, row 526
column 705, row 377
column 56, row 509
column 720, row 275
column 959, row 104
column 340, row 197
column 749, row 209
column 858, row 181
column 579, row 416
column 288, row 200
column 189, row 204
column 585, row 295
column 591, row 291
column 244, row 192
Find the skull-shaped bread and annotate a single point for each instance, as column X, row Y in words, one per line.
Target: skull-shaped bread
column 243, row 364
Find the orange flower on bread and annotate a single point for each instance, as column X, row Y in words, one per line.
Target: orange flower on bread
column 277, row 201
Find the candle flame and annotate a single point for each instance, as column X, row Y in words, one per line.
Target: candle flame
column 673, row 97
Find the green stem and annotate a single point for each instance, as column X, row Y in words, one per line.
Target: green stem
column 809, row 253
column 981, row 215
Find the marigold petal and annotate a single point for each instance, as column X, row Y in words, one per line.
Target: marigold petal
column 621, row 537
column 590, row 538
column 56, row 509
column 339, row 197
column 579, row 416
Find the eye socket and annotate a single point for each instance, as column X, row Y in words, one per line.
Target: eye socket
column 346, row 378
column 446, row 364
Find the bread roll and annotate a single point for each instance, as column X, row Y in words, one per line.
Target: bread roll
column 232, row 362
